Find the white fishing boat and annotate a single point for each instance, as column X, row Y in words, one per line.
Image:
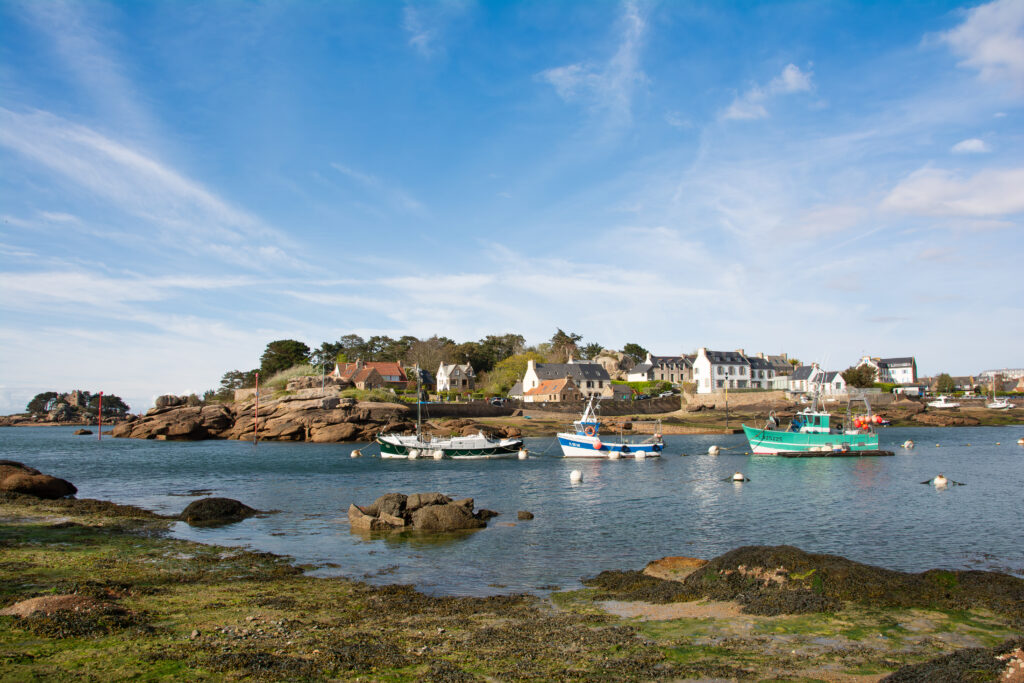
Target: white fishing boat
column 473, row 447
column 586, row 441
column 943, row 402
column 999, row 404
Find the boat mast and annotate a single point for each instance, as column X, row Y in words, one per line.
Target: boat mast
column 419, row 406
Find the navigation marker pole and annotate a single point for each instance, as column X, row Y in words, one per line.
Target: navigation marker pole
column 256, row 420
column 99, row 423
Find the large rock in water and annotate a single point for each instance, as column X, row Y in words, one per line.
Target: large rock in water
column 216, row 511
column 18, row 478
column 448, row 517
column 420, row 511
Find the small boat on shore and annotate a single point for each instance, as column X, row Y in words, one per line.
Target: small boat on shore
column 812, row 431
column 943, row 402
column 585, row 441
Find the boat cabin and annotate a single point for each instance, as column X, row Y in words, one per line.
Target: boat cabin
column 811, row 422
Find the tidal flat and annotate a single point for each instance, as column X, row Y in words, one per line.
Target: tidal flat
column 153, row 607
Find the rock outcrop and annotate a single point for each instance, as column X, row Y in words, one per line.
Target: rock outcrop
column 305, row 415
column 420, row 511
column 216, row 511
column 18, row 478
column 945, row 419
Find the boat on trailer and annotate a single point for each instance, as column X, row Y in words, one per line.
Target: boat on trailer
column 473, row 447
column 813, row 432
column 586, row 441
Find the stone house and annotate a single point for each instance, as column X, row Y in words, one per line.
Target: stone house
column 762, row 372
column 453, row 377
column 367, row 378
column 780, row 363
column 391, row 372
column 674, row 369
column 553, row 391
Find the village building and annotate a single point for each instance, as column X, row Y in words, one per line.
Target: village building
column 715, row 371
column 367, row 378
column 453, row 377
column 762, row 372
column 892, row 370
column 516, row 391
column 805, row 378
column 780, row 363
column 674, row 369
column 834, row 384
column 591, row 379
column 391, row 372
column 553, row 391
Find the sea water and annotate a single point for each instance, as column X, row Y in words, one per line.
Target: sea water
column 622, row 515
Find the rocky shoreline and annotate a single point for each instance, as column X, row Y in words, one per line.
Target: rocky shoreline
column 95, row 587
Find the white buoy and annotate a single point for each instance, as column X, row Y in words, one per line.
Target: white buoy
column 414, row 453
column 575, row 476
column 356, row 454
column 738, row 477
column 641, row 455
column 1020, row 442
column 713, row 450
column 940, row 482
column 523, row 454
column 908, row 444
column 614, row 455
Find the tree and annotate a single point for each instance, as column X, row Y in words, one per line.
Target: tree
column 636, row 352
column 860, row 376
column 42, row 403
column 944, row 384
column 281, row 355
column 353, row 346
column 564, row 344
column 430, row 353
column 113, row 406
column 509, row 371
column 590, row 351
column 326, row 355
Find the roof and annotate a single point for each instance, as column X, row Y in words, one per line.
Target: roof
column 448, row 368
column 895, row 362
column 830, row 376
column 550, row 386
column 727, row 358
column 365, row 374
column 802, row 372
column 760, row 363
column 643, row 367
column 666, row 360
column 385, row 368
column 517, row 389
column 578, row 371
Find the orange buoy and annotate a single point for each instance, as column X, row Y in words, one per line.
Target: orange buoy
column 598, row 445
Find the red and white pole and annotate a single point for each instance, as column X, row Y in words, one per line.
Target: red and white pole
column 256, row 421
column 99, row 415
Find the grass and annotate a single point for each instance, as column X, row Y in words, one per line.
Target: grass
column 279, row 380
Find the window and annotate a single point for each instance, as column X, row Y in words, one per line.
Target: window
column 732, row 369
column 721, row 371
column 720, row 384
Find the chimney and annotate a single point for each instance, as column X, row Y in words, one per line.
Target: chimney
column 784, row 357
column 740, row 351
column 648, row 361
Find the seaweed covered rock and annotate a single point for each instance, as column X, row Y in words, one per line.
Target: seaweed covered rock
column 447, row 517
column 774, row 580
column 216, row 511
column 16, row 477
column 1000, row 663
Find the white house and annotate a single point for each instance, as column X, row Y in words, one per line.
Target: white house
column 805, row 378
column 834, row 384
column 892, row 370
column 591, row 379
column 452, row 377
column 719, row 370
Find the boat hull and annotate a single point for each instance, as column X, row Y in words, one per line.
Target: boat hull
column 508, row 448
column 773, row 442
column 582, row 446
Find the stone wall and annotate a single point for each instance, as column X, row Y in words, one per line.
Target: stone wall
column 611, row 408
column 480, row 409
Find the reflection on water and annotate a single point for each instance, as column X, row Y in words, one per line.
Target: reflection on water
column 623, row 514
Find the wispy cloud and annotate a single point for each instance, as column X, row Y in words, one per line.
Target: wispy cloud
column 970, row 146
column 606, row 87
column 937, row 192
column 392, row 195
column 752, row 103
column 426, row 23
column 188, row 215
column 991, row 40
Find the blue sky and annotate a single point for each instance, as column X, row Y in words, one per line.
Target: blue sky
column 184, row 182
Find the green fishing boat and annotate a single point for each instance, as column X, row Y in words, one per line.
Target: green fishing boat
column 814, row 430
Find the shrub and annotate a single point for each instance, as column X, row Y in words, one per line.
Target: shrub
column 378, row 395
column 280, row 379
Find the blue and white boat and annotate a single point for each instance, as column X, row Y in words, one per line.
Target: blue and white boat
column 585, row 441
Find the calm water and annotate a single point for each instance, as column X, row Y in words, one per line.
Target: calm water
column 623, row 515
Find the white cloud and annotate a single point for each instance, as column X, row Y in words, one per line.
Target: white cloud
column 606, row 87
column 190, row 216
column 427, row 23
column 936, row 192
column 991, row 40
column 751, row 105
column 970, row 146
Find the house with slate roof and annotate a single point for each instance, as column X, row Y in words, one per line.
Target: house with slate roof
column 453, row 377
column 715, row 371
column 391, row 373
column 553, row 391
column 674, row 369
column 805, row 378
column 901, row 370
column 591, row 379
column 834, row 384
column 762, row 372
column 780, row 363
